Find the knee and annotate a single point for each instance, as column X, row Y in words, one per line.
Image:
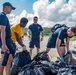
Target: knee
column 48, row 49
column 30, row 49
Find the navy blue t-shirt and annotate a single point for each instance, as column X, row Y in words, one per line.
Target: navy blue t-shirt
column 5, row 22
column 35, row 30
column 60, row 33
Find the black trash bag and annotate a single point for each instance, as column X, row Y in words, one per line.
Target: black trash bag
column 47, row 68
column 41, row 56
column 64, row 70
column 31, row 69
column 20, row 59
column 72, row 69
column 57, row 66
column 74, row 72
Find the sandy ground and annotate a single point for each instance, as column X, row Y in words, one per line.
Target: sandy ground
column 53, row 52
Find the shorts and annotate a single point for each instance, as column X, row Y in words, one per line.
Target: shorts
column 11, row 46
column 33, row 43
column 52, row 43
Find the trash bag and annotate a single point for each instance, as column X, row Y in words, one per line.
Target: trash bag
column 67, row 71
column 68, row 58
column 37, row 68
column 47, row 68
column 41, row 56
column 20, row 59
column 63, row 69
column 41, row 65
column 73, row 62
column 31, row 69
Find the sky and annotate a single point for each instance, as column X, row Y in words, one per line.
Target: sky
column 49, row 12
column 20, row 5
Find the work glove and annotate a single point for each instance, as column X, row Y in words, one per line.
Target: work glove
column 62, row 59
column 69, row 51
column 24, row 48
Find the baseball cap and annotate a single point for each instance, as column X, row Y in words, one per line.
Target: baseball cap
column 8, row 4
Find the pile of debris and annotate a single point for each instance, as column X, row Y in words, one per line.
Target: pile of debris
column 41, row 65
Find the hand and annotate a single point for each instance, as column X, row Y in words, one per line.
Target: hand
column 69, row 51
column 24, row 47
column 29, row 37
column 4, row 48
column 62, row 59
column 41, row 39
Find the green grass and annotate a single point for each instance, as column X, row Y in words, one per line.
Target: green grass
column 73, row 38
column 33, row 55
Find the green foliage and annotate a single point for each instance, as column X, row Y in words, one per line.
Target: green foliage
column 47, row 31
column 25, row 31
column 73, row 38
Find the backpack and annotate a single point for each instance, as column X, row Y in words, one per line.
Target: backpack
column 56, row 26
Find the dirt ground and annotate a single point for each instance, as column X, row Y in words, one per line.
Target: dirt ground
column 53, row 52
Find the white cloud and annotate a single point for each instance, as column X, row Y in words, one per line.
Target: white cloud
column 40, row 7
column 51, row 13
column 16, row 19
column 23, row 14
column 12, row 15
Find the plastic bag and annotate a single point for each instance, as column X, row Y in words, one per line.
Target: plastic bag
column 20, row 59
column 31, row 70
column 41, row 56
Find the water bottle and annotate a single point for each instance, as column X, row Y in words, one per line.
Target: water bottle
column 5, row 59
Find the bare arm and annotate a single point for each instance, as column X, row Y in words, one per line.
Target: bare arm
column 58, row 45
column 29, row 33
column 67, row 43
column 42, row 33
column 3, row 36
column 19, row 40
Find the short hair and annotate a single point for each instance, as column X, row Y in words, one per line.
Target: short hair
column 23, row 20
column 73, row 29
column 35, row 17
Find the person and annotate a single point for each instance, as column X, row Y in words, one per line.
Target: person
column 33, row 33
column 57, row 39
column 5, row 40
column 17, row 32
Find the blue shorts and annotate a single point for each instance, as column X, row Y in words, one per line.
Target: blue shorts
column 33, row 43
column 52, row 43
column 11, row 46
